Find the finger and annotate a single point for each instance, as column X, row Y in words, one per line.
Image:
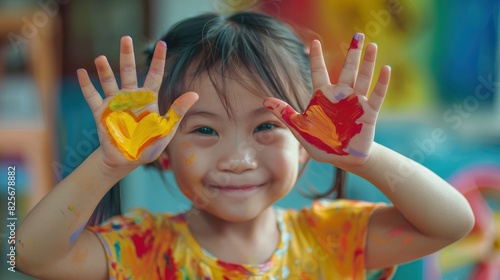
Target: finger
column 319, row 73
column 377, row 96
column 365, row 75
column 284, row 112
column 182, row 104
column 350, row 70
column 91, row 95
column 174, row 115
column 106, row 76
column 128, row 75
column 155, row 73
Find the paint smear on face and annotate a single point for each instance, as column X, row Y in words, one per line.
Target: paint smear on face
column 326, row 125
column 355, row 41
column 185, row 145
column 190, row 160
column 131, row 134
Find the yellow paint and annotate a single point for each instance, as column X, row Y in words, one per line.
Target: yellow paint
column 130, row 133
column 190, row 159
column 71, row 207
column 131, row 100
column 318, row 124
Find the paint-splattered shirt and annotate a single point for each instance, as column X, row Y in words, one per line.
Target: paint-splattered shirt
column 325, row 241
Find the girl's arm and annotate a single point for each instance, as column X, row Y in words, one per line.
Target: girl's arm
column 52, row 241
column 427, row 213
column 338, row 127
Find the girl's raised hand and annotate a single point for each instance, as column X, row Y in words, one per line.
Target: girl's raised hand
column 338, row 125
column 130, row 130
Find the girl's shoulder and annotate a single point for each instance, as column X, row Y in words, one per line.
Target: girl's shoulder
column 333, row 207
column 326, row 214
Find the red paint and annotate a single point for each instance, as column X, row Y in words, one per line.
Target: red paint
column 233, row 267
column 355, row 41
column 143, row 242
column 165, row 164
column 342, row 115
column 170, row 267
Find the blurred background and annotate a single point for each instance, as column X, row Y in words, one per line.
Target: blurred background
column 442, row 109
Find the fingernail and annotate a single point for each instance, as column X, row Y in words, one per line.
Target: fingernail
column 355, row 41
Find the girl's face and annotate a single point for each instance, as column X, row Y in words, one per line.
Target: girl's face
column 233, row 168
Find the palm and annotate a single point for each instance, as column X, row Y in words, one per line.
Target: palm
column 338, row 125
column 114, row 151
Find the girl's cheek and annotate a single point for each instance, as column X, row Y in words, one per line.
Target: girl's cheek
column 265, row 137
column 203, row 141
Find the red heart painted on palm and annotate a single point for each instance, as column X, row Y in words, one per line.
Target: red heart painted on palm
column 326, row 125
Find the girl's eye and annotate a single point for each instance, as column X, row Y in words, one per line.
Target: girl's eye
column 206, row 131
column 264, row 127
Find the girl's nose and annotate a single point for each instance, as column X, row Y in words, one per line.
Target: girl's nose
column 238, row 160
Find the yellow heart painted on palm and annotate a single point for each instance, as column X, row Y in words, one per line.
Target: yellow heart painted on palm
column 131, row 134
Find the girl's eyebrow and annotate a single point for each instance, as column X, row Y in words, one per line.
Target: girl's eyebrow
column 203, row 114
column 217, row 117
column 259, row 111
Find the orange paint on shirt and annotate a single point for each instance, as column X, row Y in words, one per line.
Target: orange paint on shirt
column 326, row 125
column 131, row 134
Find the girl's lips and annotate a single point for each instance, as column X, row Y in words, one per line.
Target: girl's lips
column 236, row 188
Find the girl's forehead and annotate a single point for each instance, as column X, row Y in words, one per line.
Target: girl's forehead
column 236, row 101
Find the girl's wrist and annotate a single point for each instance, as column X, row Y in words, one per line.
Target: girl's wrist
column 113, row 172
column 363, row 168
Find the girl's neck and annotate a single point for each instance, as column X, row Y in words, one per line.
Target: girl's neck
column 248, row 242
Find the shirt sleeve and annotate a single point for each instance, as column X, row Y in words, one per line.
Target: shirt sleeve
column 129, row 241
column 340, row 227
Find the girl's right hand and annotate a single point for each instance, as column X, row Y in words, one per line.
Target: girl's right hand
column 112, row 156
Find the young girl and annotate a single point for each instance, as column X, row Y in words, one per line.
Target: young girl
column 235, row 148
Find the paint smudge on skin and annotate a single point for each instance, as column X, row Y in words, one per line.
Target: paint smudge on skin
column 401, row 232
column 131, row 100
column 326, row 125
column 190, row 160
column 75, row 235
column 340, row 96
column 356, row 153
column 131, row 134
column 355, row 40
column 186, row 145
column 71, row 207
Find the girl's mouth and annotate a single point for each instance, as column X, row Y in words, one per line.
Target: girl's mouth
column 236, row 188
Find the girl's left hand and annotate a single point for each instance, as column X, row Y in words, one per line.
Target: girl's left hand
column 338, row 125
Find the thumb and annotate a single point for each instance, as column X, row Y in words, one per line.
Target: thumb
column 181, row 105
column 286, row 113
column 280, row 109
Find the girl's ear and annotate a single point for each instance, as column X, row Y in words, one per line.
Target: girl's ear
column 164, row 161
column 303, row 155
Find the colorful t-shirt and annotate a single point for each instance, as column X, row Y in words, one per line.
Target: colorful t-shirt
column 325, row 241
